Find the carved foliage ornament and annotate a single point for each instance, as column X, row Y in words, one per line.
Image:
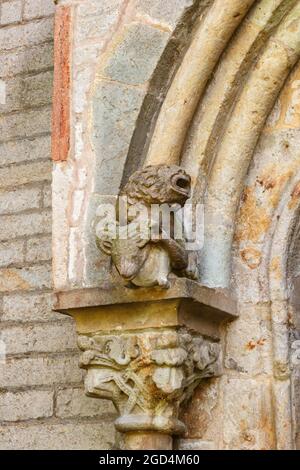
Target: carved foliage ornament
column 140, row 258
column 148, row 375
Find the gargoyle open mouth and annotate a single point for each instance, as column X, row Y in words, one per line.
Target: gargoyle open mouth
column 181, row 184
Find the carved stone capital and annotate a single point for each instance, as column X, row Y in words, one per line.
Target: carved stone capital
column 148, row 375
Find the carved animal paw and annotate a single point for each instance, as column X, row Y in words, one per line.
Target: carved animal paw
column 192, row 274
column 192, row 271
column 164, row 283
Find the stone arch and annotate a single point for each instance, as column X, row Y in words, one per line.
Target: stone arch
column 266, row 225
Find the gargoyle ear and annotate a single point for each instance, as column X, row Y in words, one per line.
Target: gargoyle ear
column 104, row 245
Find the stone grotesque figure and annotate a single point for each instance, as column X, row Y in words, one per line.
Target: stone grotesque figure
column 143, row 253
column 158, row 184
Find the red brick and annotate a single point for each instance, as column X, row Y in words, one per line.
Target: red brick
column 61, row 93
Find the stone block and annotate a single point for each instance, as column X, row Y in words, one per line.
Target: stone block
column 24, row 174
column 27, row 60
column 25, row 124
column 167, row 13
column 24, row 372
column 73, row 402
column 11, row 12
column 20, row 225
column 37, row 89
column 29, row 404
column 25, row 150
column 38, row 249
column 38, row 8
column 249, row 341
column 72, row 436
column 31, row 278
column 28, row 34
column 96, row 20
column 11, row 253
column 19, row 199
column 47, row 196
column 50, row 337
column 30, row 307
column 248, row 417
column 113, row 127
column 135, row 57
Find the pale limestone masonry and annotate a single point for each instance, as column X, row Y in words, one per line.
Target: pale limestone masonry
column 42, row 404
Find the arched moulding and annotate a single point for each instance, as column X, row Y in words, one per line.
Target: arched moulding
column 265, row 288
column 190, row 81
column 238, row 143
column 279, row 295
column 265, row 224
column 215, row 107
column 267, row 189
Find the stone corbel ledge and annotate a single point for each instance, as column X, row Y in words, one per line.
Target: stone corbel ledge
column 147, row 350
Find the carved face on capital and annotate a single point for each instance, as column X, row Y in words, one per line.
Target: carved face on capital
column 128, row 254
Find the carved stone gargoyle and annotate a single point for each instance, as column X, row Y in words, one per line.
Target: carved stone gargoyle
column 145, row 257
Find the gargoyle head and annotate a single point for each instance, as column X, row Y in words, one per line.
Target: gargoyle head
column 159, row 184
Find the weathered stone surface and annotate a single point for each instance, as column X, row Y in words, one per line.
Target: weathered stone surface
column 11, row 12
column 34, row 277
column 27, row 60
column 25, row 124
column 50, row 337
column 73, row 402
column 96, row 20
column 38, row 249
column 24, row 372
column 134, row 59
column 28, row 92
column 112, row 127
column 25, row 150
column 11, row 253
column 38, row 8
column 31, row 404
column 26, row 34
column 73, row 436
column 47, row 196
column 29, row 307
column 202, row 413
column 195, row 444
column 25, row 224
column 165, row 12
column 248, row 421
column 249, row 342
column 23, row 174
column 18, row 200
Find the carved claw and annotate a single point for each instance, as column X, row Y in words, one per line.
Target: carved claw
column 164, row 283
column 192, row 274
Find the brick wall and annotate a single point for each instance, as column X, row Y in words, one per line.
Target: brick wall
column 41, row 396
